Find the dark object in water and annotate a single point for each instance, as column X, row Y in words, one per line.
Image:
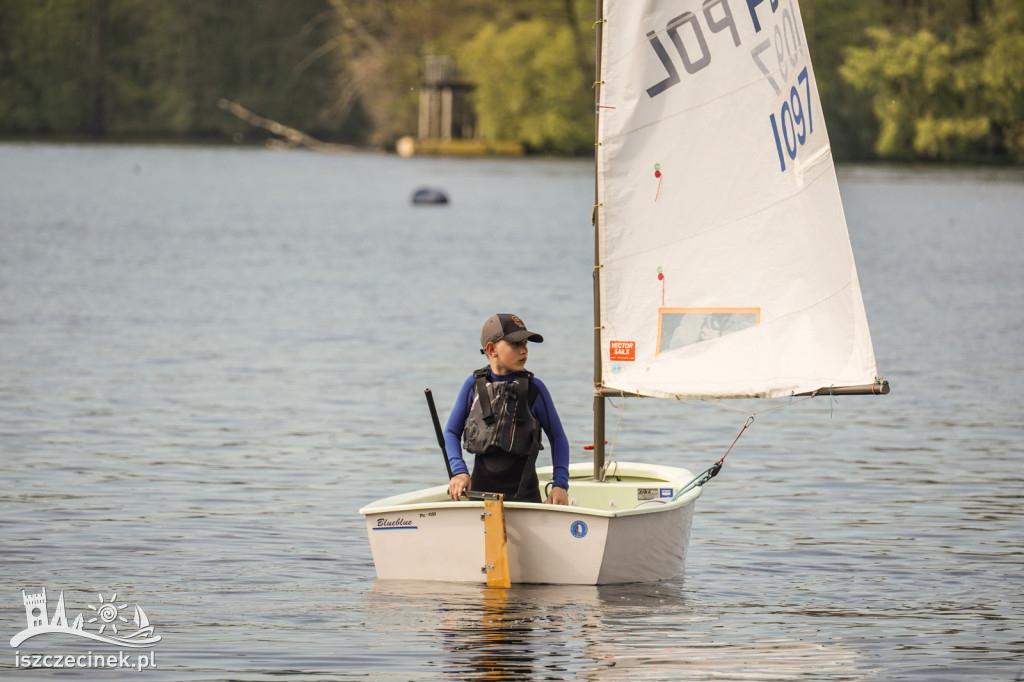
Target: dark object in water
column 429, row 195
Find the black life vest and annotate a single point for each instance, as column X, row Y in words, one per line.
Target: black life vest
column 503, row 433
column 500, row 419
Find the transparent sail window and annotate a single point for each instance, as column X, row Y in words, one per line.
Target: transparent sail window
column 681, row 327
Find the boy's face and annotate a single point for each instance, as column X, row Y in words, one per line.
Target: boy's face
column 507, row 357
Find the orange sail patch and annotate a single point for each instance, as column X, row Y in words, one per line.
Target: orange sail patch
column 622, row 350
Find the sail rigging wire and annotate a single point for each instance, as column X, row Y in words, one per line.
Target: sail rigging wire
column 712, row 471
column 615, row 436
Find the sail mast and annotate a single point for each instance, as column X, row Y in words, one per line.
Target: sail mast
column 598, row 380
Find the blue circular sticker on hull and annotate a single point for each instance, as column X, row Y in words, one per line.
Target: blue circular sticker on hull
column 578, row 529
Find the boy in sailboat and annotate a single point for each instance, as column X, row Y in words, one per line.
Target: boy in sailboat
column 499, row 413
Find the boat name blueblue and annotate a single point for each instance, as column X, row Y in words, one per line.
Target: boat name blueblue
column 383, row 523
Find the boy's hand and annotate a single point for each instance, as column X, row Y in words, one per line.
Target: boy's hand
column 458, row 484
column 557, row 496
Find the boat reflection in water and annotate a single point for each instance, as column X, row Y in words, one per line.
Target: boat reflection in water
column 613, row 632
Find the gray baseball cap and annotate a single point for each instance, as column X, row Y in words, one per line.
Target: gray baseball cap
column 508, row 327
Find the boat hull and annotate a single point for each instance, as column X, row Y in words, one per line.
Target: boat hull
column 630, row 528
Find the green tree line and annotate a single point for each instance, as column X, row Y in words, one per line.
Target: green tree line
column 899, row 79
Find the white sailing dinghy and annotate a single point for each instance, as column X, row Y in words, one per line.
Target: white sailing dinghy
column 723, row 269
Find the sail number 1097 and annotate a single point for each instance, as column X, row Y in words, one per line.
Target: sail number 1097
column 794, row 122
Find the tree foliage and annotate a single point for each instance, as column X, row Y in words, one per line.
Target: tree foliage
column 910, row 79
column 136, row 67
column 946, row 89
column 528, row 87
column 526, row 57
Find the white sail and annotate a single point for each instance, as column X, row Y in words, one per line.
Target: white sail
column 725, row 262
column 140, row 619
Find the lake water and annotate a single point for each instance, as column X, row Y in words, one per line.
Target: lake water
column 210, row 359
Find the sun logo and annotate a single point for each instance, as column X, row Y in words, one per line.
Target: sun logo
column 108, row 614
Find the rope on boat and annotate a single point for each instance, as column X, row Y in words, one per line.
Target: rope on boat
column 615, row 436
column 703, row 478
column 712, row 470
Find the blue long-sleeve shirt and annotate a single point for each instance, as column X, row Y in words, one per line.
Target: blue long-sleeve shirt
column 543, row 409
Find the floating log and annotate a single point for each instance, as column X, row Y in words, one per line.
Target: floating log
column 292, row 137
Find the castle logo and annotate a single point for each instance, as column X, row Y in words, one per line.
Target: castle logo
column 112, row 625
